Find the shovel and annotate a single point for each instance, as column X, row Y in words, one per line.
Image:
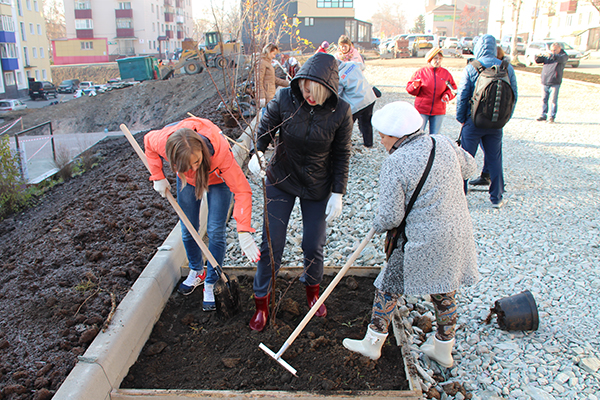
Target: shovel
column 315, row 307
column 227, row 294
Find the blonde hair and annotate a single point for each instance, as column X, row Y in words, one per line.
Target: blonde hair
column 180, row 147
column 269, row 48
column 344, row 40
column 500, row 53
column 319, row 91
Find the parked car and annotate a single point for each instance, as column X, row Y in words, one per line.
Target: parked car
column 420, row 42
column 506, row 44
column 441, row 40
column 7, row 105
column 68, row 86
column 536, row 48
column 41, row 90
column 466, row 43
column 375, row 42
column 451, row 43
column 86, row 85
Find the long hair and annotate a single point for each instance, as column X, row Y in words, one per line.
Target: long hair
column 180, row 146
column 269, row 48
column 319, row 91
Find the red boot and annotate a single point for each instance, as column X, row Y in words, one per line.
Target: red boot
column 312, row 295
column 261, row 315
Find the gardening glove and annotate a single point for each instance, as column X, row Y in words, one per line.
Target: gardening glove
column 262, row 103
column 256, row 164
column 162, row 187
column 334, row 207
column 248, row 246
column 445, row 98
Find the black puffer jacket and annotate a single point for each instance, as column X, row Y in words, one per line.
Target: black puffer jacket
column 313, row 150
column 554, row 65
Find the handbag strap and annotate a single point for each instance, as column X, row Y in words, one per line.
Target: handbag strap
column 416, row 194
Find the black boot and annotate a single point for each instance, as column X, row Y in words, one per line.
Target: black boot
column 483, row 180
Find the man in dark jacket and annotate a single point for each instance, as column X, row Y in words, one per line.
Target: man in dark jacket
column 552, row 73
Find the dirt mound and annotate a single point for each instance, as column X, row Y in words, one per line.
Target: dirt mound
column 97, row 73
column 147, row 105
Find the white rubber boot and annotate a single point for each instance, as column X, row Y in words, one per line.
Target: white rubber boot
column 439, row 351
column 370, row 346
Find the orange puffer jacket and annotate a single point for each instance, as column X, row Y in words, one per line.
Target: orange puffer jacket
column 223, row 166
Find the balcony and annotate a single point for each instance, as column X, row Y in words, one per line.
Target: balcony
column 179, row 3
column 7, row 37
column 125, row 33
column 169, row 17
column 85, row 33
column 180, row 35
column 83, row 14
column 569, row 7
column 124, row 13
column 180, row 19
column 169, row 34
column 10, row 64
column 168, row 3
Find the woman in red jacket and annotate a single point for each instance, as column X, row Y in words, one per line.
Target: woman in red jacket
column 433, row 87
column 204, row 163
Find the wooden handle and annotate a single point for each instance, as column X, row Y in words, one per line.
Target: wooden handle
column 176, row 206
column 327, row 292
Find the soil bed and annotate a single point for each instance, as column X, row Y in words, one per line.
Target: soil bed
column 192, row 349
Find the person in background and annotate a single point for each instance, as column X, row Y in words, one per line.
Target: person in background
column 267, row 79
column 290, row 64
column 433, row 87
column 552, row 74
column 356, row 91
column 323, row 47
column 490, row 139
column 201, row 157
column 311, row 163
column 346, row 51
column 437, row 255
column 482, row 182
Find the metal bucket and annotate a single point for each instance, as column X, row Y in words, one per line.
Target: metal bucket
column 516, row 313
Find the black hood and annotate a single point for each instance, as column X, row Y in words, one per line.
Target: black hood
column 322, row 68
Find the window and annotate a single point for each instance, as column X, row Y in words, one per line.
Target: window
column 41, row 52
column 35, row 6
column 39, row 29
column 163, row 27
column 309, row 21
column 26, row 58
column 44, row 75
column 153, row 27
column 28, row 2
column 125, row 5
column 152, row 7
column 82, row 5
column 34, row 52
column 23, row 37
column 8, row 50
column 31, row 29
column 149, row 44
column 569, row 20
column 37, row 75
column 580, row 19
column 7, row 2
column 84, row 24
column 19, row 77
column 9, row 79
column 28, row 73
column 87, row 45
column 124, row 23
column 7, row 23
column 335, row 3
column 19, row 9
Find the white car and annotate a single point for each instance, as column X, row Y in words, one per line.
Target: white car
column 450, row 43
column 86, row 85
column 536, row 48
column 506, row 42
column 7, row 105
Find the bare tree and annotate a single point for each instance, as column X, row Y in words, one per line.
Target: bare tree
column 389, row 20
column 54, row 13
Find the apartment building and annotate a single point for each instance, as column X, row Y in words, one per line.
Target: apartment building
column 105, row 30
column 316, row 21
column 23, row 46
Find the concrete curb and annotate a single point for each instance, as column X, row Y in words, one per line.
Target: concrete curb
column 107, row 360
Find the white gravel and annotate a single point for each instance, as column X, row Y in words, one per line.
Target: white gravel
column 545, row 240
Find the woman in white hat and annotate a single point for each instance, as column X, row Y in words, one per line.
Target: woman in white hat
column 433, row 88
column 436, row 253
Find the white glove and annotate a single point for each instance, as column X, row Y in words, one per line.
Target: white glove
column 256, row 164
column 334, row 207
column 262, row 103
column 248, row 246
column 162, row 187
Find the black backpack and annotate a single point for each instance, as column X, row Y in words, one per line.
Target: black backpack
column 493, row 99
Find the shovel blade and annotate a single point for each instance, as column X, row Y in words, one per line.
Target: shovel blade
column 227, row 297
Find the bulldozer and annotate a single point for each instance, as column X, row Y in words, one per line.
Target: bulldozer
column 193, row 58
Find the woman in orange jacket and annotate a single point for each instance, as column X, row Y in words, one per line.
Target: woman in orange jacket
column 201, row 158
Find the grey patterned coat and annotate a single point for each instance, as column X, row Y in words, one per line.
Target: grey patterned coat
column 439, row 255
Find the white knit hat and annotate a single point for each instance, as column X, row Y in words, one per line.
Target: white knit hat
column 398, row 119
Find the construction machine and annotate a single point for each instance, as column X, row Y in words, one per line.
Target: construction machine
column 220, row 53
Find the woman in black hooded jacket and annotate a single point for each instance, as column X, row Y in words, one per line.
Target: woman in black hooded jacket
column 311, row 161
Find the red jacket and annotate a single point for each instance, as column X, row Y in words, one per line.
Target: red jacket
column 434, row 85
column 223, row 167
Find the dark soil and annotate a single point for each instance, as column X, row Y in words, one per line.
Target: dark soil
column 206, row 352
column 569, row 73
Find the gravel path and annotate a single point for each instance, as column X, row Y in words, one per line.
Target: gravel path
column 545, row 240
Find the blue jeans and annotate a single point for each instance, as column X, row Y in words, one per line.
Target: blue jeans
column 546, row 89
column 491, row 142
column 435, row 123
column 279, row 207
column 219, row 198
